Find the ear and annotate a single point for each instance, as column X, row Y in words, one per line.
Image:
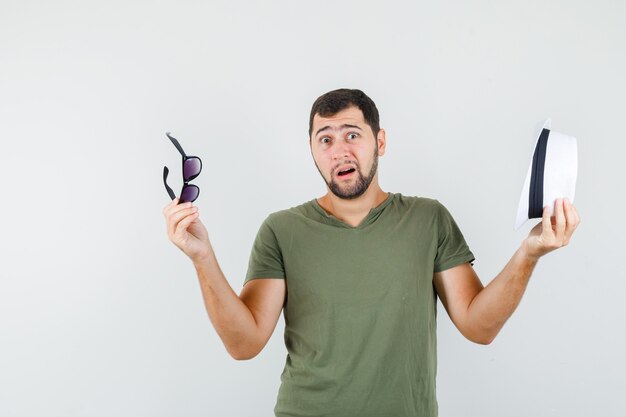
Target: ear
column 381, row 141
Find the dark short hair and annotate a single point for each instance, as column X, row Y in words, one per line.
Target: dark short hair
column 334, row 101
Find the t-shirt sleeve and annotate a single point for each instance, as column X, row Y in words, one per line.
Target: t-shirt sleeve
column 266, row 260
column 452, row 250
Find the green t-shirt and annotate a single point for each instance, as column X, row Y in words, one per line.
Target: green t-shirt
column 360, row 314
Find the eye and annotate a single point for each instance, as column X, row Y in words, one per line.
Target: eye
column 353, row 135
column 325, row 140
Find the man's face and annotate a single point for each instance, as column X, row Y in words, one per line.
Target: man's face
column 345, row 152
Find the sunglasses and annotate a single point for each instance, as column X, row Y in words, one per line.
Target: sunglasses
column 192, row 165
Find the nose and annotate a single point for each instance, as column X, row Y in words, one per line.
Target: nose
column 340, row 150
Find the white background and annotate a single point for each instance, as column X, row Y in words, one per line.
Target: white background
column 100, row 315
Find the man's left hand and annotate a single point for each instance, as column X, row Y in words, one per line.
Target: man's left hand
column 553, row 232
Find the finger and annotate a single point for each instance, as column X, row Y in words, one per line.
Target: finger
column 575, row 219
column 178, row 213
column 175, row 218
column 576, row 215
column 546, row 222
column 560, row 219
column 185, row 222
column 570, row 218
column 173, row 208
column 170, row 205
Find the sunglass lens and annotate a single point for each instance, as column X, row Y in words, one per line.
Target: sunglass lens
column 191, row 168
column 189, row 193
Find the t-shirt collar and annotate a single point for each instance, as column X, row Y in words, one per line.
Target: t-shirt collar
column 371, row 216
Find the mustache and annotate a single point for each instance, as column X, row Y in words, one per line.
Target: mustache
column 354, row 163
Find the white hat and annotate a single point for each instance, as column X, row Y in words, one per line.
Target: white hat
column 551, row 175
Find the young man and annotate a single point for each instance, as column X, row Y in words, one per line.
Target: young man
column 358, row 272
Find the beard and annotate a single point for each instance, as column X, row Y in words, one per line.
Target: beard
column 358, row 187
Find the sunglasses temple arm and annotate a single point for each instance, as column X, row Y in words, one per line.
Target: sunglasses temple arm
column 175, row 142
column 167, row 187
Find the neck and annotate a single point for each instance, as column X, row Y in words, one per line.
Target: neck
column 355, row 210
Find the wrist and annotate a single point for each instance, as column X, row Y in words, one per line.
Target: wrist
column 202, row 258
column 527, row 253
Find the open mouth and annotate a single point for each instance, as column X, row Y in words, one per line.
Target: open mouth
column 346, row 172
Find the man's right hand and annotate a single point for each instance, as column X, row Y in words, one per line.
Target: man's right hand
column 186, row 231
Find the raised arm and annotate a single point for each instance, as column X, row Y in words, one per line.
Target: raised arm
column 244, row 323
column 480, row 312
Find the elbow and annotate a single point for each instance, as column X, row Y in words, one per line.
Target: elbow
column 240, row 357
column 481, row 338
column 242, row 353
column 480, row 333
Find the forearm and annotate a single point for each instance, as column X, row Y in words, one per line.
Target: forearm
column 230, row 316
column 494, row 304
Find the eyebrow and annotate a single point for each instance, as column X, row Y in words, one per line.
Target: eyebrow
column 342, row 127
